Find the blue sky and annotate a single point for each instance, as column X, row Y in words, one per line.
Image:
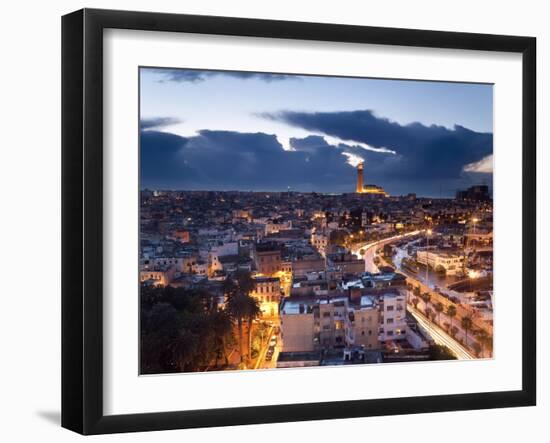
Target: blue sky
column 345, row 119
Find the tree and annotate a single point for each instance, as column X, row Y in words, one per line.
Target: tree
column 454, row 331
column 426, row 297
column 237, row 306
column 429, row 313
column 439, row 309
column 451, row 313
column 241, row 306
column 467, row 324
column 253, row 312
column 477, row 348
column 223, row 330
column 440, row 352
column 485, row 340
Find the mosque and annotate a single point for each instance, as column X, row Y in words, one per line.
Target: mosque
column 373, row 190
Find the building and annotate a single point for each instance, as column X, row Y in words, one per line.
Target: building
column 267, row 258
column 440, row 261
column 359, row 187
column 320, row 239
column 157, row 276
column 306, row 264
column 393, row 323
column 370, row 189
column 479, row 193
column 267, row 290
column 338, row 322
column 365, row 322
column 333, row 323
column 345, row 262
column 297, row 324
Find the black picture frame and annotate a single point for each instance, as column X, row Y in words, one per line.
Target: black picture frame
column 82, row 218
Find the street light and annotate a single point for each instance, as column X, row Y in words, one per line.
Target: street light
column 474, row 221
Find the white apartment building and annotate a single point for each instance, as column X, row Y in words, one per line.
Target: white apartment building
column 451, row 263
column 393, row 324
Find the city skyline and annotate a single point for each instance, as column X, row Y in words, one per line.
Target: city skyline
column 213, row 130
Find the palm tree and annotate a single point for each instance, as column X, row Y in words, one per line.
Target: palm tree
column 439, row 309
column 237, row 306
column 223, row 330
column 426, row 297
column 454, row 330
column 485, row 340
column 429, row 313
column 451, row 313
column 241, row 306
column 467, row 324
column 477, row 348
column 252, row 312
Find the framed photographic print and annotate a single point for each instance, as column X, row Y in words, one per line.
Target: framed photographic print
column 269, row 221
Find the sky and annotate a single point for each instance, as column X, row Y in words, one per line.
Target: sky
column 228, row 130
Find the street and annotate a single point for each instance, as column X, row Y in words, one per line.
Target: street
column 440, row 337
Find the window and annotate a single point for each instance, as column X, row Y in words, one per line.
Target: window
column 389, row 308
column 390, row 333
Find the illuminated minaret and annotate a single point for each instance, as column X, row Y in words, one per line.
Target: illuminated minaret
column 359, row 178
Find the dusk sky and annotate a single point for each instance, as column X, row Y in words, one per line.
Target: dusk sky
column 267, row 132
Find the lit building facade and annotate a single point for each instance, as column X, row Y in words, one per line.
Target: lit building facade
column 369, row 189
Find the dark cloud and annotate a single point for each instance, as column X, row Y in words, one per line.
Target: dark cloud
column 158, row 122
column 423, row 153
column 226, row 160
column 195, row 76
column 428, row 160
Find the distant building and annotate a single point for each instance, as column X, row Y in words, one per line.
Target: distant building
column 438, row 260
column 369, row 189
column 158, row 276
column 320, row 239
column 474, row 193
column 346, row 262
column 306, row 264
column 267, row 258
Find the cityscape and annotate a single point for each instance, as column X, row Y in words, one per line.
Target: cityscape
column 292, row 238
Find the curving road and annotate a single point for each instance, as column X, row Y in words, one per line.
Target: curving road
column 438, row 335
column 370, row 250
